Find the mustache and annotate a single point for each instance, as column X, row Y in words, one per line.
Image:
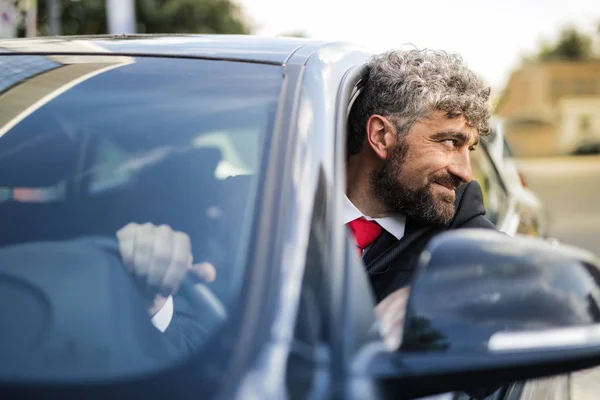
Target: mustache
column 448, row 180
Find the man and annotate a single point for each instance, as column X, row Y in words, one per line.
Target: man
column 418, row 116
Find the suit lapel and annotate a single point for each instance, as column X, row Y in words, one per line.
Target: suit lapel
column 380, row 245
column 380, row 263
column 375, row 254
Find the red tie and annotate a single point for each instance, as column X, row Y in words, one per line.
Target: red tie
column 365, row 232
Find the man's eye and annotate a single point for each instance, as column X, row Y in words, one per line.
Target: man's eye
column 450, row 142
column 472, row 148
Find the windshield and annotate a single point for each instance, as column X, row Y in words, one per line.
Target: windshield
column 90, row 145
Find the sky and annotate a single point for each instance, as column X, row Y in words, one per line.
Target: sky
column 490, row 35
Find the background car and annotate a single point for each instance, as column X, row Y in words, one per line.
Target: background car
column 239, row 142
column 510, row 204
column 585, row 146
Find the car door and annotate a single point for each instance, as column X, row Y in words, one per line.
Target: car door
column 315, row 365
column 353, row 332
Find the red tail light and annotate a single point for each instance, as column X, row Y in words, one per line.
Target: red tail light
column 522, row 180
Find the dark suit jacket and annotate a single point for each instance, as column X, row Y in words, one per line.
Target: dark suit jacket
column 186, row 332
column 391, row 263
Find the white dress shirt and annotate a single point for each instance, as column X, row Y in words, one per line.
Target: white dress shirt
column 163, row 317
column 394, row 223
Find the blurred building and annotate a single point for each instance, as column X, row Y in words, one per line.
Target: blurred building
column 552, row 108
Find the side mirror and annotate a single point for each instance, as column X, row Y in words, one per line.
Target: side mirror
column 487, row 309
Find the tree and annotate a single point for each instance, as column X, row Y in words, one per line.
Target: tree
column 298, row 34
column 88, row 17
column 195, row 16
column 571, row 45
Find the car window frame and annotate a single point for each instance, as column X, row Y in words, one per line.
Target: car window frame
column 355, row 317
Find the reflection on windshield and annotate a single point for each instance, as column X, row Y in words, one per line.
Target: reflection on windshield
column 97, row 157
column 15, row 69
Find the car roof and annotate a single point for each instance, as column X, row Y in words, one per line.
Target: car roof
column 271, row 50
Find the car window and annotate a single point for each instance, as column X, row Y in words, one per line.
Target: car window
column 495, row 196
column 86, row 151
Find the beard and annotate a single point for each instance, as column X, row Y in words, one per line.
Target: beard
column 420, row 203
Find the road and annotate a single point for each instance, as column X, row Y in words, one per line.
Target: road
column 570, row 189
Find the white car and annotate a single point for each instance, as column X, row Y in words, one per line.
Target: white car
column 511, row 205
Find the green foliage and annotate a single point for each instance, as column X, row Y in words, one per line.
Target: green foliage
column 571, row 45
column 88, row 17
column 185, row 16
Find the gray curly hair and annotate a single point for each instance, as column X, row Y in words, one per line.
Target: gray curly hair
column 407, row 85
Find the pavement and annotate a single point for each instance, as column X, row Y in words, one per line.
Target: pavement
column 569, row 187
column 585, row 385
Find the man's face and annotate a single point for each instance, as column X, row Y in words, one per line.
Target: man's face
column 421, row 173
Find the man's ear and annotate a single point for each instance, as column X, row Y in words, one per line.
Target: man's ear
column 381, row 135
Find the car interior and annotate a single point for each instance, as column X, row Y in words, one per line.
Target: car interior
column 62, row 186
column 96, row 188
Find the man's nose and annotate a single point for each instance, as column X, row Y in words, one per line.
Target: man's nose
column 461, row 166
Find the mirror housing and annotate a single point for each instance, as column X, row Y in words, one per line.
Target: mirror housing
column 474, row 289
column 486, row 309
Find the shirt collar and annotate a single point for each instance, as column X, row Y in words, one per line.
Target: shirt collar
column 394, row 224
